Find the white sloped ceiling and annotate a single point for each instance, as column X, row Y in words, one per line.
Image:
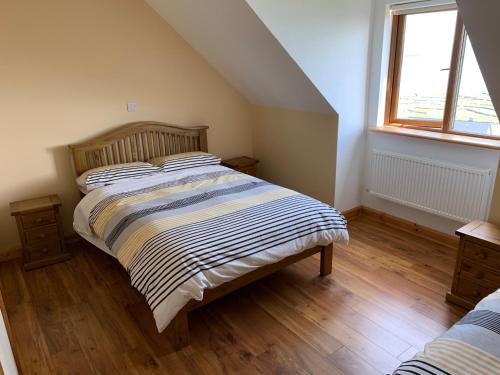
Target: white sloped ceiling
column 329, row 41
column 232, row 38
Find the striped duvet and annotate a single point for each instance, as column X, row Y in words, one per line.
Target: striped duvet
column 179, row 233
column 470, row 347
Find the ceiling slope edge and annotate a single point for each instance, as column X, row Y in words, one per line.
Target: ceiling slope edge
column 234, row 40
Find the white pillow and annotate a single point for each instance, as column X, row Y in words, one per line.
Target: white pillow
column 110, row 174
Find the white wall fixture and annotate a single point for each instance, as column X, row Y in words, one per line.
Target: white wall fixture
column 454, row 191
column 131, row 107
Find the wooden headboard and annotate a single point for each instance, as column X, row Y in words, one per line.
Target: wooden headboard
column 139, row 141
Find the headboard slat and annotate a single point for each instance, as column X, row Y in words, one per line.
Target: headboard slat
column 155, row 144
column 139, row 141
column 161, row 143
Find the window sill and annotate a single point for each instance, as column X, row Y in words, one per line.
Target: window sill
column 437, row 136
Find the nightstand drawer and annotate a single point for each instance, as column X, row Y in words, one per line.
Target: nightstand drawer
column 477, row 269
column 252, row 171
column 482, row 254
column 472, row 291
column 38, row 218
column 243, row 164
column 479, row 274
column 43, row 250
column 40, row 230
column 41, row 234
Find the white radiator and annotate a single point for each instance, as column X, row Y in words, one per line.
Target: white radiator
column 453, row 191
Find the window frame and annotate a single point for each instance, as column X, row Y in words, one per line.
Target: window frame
column 394, row 77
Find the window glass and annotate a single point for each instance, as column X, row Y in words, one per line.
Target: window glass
column 427, row 49
column 474, row 111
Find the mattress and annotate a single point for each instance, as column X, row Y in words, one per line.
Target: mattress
column 179, row 233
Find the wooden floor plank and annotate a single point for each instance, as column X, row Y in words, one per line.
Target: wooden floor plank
column 383, row 301
column 387, row 292
column 310, row 332
column 32, row 350
column 352, row 364
column 343, row 321
column 408, row 330
column 275, row 345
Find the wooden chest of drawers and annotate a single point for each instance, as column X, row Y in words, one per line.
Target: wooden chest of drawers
column 40, row 230
column 477, row 270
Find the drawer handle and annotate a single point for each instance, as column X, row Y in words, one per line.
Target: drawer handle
column 479, row 275
column 476, row 293
column 482, row 255
column 45, row 250
column 42, row 235
column 39, row 220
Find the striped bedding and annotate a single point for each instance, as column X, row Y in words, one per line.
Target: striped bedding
column 470, row 347
column 179, row 233
column 97, row 177
column 185, row 160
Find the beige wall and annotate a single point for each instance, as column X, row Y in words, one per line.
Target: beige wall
column 495, row 200
column 67, row 70
column 297, row 150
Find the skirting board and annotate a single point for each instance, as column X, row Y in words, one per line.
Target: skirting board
column 404, row 225
column 10, row 254
column 353, row 213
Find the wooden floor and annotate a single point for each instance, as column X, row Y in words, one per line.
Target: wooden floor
column 384, row 300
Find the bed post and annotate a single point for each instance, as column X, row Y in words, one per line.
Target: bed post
column 325, row 267
column 180, row 330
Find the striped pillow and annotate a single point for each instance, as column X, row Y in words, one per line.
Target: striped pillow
column 111, row 174
column 185, row 160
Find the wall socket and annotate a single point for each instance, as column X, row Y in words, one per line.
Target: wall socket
column 131, row 107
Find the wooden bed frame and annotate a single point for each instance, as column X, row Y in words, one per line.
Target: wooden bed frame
column 142, row 141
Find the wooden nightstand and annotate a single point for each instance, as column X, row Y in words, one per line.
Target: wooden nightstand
column 41, row 232
column 477, row 270
column 243, row 164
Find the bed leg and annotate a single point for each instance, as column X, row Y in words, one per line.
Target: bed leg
column 180, row 330
column 325, row 267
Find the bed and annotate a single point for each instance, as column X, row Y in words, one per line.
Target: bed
column 191, row 236
column 471, row 346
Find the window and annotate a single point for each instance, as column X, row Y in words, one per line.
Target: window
column 474, row 111
column 434, row 78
